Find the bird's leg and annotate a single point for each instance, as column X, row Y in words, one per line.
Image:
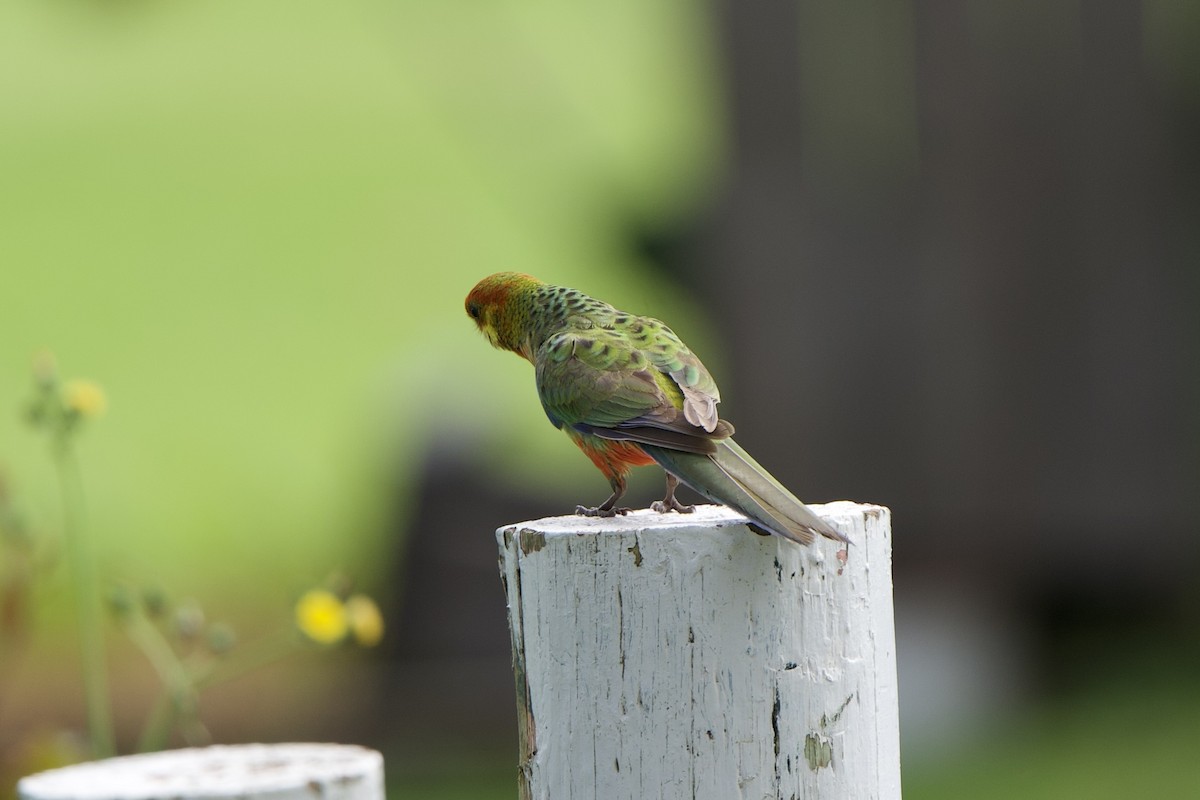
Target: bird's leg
column 608, row 507
column 669, row 503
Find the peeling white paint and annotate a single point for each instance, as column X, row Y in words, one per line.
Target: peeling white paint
column 684, row 656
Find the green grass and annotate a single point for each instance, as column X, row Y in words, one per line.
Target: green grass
column 1134, row 733
column 452, row 778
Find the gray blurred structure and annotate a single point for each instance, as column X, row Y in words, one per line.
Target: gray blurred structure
column 1020, row 278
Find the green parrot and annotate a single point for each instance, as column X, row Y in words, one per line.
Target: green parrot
column 629, row 393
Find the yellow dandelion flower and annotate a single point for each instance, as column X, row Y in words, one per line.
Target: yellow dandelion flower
column 321, row 616
column 366, row 622
column 84, row 398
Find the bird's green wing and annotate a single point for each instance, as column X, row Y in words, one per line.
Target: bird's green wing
column 667, row 352
column 597, row 381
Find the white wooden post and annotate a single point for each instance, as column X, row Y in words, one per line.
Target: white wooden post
column 684, row 656
column 247, row 772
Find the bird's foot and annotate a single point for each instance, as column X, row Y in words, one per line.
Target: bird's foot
column 671, row 504
column 600, row 511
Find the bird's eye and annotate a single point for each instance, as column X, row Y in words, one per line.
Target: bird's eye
column 473, row 310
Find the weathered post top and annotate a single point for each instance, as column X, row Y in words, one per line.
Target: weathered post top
column 684, row 656
column 294, row 771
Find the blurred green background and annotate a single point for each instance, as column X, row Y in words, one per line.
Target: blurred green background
column 254, row 224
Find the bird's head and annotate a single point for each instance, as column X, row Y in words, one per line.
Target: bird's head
column 501, row 306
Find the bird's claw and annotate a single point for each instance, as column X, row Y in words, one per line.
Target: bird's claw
column 597, row 511
column 663, row 506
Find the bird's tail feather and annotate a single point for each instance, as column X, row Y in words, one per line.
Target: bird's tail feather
column 730, row 476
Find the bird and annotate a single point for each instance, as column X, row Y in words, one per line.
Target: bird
column 630, row 393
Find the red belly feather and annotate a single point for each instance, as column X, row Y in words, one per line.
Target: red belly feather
column 614, row 459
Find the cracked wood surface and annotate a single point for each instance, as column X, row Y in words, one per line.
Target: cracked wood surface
column 683, row 656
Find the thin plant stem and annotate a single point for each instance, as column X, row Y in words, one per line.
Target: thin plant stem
column 157, row 730
column 171, row 670
column 178, row 682
column 87, row 603
column 183, row 679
